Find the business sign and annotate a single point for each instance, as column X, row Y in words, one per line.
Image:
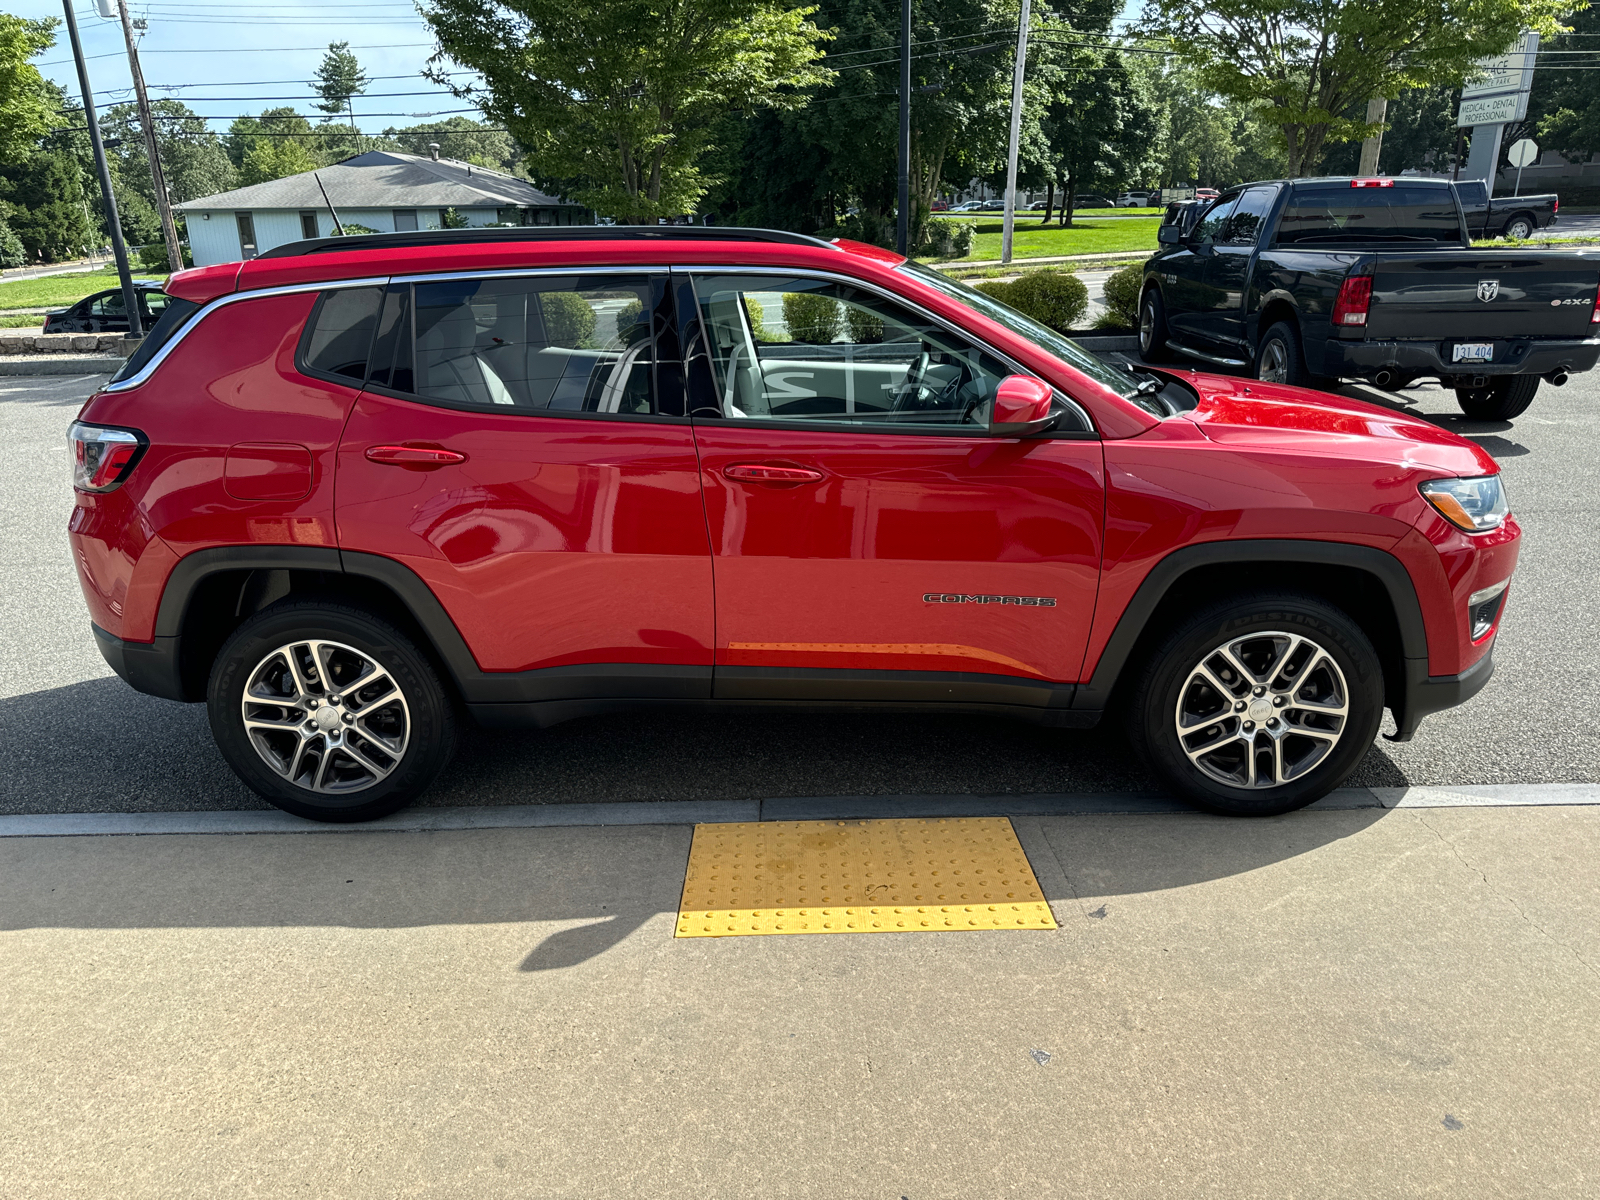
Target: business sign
column 1508, row 72
column 1493, row 110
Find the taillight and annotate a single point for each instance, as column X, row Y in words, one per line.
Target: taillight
column 1355, row 298
column 1556, row 206
column 102, row 458
column 1594, row 313
column 1372, row 183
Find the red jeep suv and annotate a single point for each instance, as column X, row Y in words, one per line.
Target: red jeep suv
column 356, row 489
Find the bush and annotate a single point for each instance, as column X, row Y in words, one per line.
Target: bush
column 997, row 288
column 568, row 319
column 864, row 326
column 811, row 317
column 946, row 238
column 1052, row 298
column 1122, row 295
column 153, row 257
column 758, row 325
column 628, row 316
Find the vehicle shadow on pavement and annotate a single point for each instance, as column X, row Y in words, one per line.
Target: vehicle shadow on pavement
column 598, row 885
column 166, row 761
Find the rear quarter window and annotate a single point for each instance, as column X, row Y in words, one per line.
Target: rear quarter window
column 338, row 338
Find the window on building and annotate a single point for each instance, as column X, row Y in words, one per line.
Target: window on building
column 405, row 219
column 544, row 217
column 308, row 223
column 247, row 234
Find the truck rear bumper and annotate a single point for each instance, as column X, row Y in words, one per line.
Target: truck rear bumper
column 1409, row 359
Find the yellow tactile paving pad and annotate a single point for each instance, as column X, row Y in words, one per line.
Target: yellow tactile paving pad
column 912, row 876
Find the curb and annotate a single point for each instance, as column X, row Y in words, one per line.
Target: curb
column 65, row 365
column 802, row 808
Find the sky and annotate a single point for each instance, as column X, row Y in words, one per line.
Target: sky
column 229, row 60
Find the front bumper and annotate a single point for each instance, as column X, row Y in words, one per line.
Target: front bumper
column 1408, row 358
column 1433, row 693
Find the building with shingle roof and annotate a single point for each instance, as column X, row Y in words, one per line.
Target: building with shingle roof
column 381, row 189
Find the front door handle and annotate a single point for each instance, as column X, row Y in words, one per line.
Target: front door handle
column 761, row 473
column 414, row 456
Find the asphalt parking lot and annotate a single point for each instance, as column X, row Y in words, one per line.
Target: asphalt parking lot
column 79, row 740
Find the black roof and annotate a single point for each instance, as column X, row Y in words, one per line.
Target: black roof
column 544, row 233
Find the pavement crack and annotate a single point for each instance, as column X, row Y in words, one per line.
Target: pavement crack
column 1588, row 966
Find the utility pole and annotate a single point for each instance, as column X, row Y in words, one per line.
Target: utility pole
column 169, row 227
column 903, row 226
column 1016, row 134
column 130, row 299
column 1377, row 109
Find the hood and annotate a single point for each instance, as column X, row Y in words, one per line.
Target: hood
column 1248, row 412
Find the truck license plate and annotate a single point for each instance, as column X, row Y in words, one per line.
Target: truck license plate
column 1472, row 352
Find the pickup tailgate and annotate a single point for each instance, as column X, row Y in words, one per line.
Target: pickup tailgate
column 1484, row 294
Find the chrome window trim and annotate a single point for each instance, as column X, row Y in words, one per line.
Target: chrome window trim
column 212, row 306
column 866, row 285
column 528, row 272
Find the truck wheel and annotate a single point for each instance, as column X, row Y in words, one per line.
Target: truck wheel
column 1280, row 359
column 328, row 712
column 1152, row 326
column 1519, row 228
column 1505, row 398
column 1259, row 704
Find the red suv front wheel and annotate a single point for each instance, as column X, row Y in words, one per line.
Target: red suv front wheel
column 1259, row 705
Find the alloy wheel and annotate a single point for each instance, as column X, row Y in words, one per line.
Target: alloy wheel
column 326, row 717
column 1147, row 325
column 1274, row 362
column 1262, row 710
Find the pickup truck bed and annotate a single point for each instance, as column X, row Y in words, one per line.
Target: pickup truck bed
column 1338, row 279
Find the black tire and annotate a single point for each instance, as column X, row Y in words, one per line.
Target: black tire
column 1520, row 228
column 421, row 725
column 1283, row 339
column 1153, row 326
column 1310, row 767
column 1504, row 398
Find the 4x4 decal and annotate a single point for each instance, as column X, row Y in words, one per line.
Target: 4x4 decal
column 969, row 598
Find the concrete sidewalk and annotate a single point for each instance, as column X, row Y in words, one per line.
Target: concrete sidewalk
column 1361, row 1002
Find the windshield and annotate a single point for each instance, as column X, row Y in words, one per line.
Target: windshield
column 1120, row 380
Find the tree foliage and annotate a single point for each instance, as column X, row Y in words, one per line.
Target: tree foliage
column 1567, row 100
column 621, row 95
column 339, row 80
column 1099, row 128
column 1309, row 66
column 460, row 138
column 26, row 105
column 44, row 195
column 193, row 157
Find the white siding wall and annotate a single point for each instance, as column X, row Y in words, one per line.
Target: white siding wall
column 213, row 241
column 217, row 240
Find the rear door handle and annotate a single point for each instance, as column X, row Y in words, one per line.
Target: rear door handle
column 760, row 473
column 414, row 456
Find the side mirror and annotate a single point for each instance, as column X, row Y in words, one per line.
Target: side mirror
column 1169, row 235
column 1021, row 407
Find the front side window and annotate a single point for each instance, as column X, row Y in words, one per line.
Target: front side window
column 111, row 305
column 532, row 343
column 797, row 349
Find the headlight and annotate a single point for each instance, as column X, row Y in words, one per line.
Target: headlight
column 1476, row 504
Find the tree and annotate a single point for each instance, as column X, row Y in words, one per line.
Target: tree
column 1309, row 66
column 1566, row 101
column 460, row 138
column 277, row 143
column 26, row 108
column 1194, row 144
column 339, row 80
column 193, row 157
column 44, row 193
column 622, row 94
column 1099, row 127
column 275, row 158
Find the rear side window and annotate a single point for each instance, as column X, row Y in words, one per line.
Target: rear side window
column 338, row 337
column 1334, row 216
column 173, row 318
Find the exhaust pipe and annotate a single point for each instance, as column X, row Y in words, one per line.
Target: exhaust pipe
column 1557, row 377
column 1388, row 378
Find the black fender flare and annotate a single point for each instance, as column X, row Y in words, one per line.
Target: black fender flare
column 1096, row 693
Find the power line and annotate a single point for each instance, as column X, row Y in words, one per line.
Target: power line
column 250, row 50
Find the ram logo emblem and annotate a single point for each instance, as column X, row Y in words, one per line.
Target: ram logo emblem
column 1488, row 289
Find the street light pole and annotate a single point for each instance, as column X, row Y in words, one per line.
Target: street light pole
column 130, row 299
column 903, row 226
column 1009, row 227
column 169, row 227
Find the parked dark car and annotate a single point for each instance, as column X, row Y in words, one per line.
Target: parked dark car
column 106, row 312
column 1516, row 217
column 1091, row 200
column 1371, row 279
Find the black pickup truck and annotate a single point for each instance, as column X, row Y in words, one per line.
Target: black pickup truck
column 1516, row 217
column 1318, row 279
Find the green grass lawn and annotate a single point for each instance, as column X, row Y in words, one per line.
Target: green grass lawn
column 58, row 291
column 1086, row 236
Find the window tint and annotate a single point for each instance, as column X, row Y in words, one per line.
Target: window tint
column 339, row 334
column 1210, row 225
column 155, row 303
column 111, row 305
column 173, row 318
column 1249, row 218
column 812, row 350
column 1327, row 216
column 569, row 343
